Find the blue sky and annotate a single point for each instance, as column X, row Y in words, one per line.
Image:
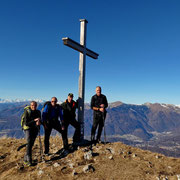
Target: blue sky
column 138, row 42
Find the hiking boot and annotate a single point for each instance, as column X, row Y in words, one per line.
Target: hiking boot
column 76, row 143
column 27, row 160
column 65, row 152
column 27, row 163
column 93, row 142
column 47, row 154
column 98, row 141
column 72, row 148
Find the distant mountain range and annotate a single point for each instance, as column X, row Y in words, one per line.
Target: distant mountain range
column 138, row 120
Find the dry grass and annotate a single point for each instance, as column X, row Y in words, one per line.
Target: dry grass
column 111, row 161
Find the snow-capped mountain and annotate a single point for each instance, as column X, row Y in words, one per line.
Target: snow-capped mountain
column 20, row 100
column 11, row 101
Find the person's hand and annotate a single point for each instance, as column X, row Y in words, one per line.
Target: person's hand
column 45, row 127
column 101, row 109
column 38, row 123
column 63, row 128
column 37, row 119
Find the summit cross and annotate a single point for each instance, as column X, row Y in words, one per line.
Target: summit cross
column 82, row 66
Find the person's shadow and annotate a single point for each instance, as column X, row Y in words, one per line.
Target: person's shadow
column 62, row 153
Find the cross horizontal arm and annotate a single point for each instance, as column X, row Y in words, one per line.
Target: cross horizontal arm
column 73, row 44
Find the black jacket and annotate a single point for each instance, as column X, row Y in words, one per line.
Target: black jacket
column 69, row 110
column 96, row 101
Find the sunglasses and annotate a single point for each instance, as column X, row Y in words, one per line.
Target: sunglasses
column 53, row 101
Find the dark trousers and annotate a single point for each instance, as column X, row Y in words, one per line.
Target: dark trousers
column 53, row 125
column 31, row 135
column 98, row 121
column 76, row 125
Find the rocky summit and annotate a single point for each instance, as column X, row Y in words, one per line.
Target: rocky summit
column 103, row 161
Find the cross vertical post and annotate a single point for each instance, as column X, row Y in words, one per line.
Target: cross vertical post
column 82, row 69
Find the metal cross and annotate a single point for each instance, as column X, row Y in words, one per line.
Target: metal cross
column 82, row 64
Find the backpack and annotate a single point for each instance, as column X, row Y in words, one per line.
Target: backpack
column 28, row 109
column 46, row 103
column 49, row 107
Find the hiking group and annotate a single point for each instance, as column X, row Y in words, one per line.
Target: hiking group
column 58, row 117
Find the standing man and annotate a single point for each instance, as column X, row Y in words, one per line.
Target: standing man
column 51, row 114
column 31, row 122
column 69, row 115
column 98, row 104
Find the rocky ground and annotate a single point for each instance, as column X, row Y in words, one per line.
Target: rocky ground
column 110, row 161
